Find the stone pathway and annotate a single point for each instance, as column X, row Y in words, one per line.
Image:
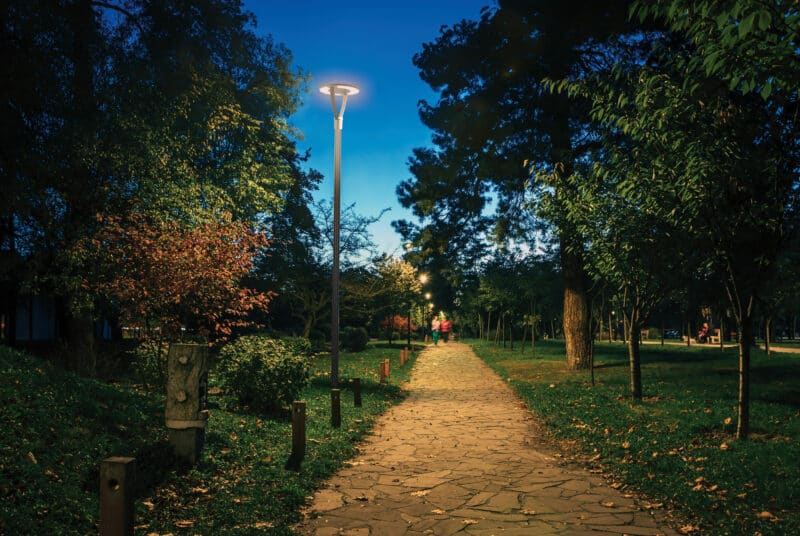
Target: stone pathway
column 458, row 456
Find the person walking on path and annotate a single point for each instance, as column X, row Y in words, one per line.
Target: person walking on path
column 435, row 326
column 461, row 454
column 446, row 327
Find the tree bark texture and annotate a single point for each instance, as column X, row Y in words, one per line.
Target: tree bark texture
column 634, row 357
column 576, row 311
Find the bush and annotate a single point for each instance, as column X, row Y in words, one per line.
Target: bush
column 355, row 339
column 150, row 364
column 298, row 346
column 262, row 373
column 318, row 340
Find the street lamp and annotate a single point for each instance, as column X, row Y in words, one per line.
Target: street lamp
column 336, row 90
column 425, row 316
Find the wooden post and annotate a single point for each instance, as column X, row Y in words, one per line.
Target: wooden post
column 386, row 364
column 383, row 371
column 357, row 392
column 298, row 434
column 187, row 393
column 117, row 476
column 336, row 409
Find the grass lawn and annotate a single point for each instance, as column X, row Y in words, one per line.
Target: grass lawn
column 58, row 427
column 677, row 445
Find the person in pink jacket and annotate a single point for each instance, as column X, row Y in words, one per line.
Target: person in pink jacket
column 446, row 327
column 435, row 327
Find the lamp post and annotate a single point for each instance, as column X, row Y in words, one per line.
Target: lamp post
column 336, row 90
column 425, row 317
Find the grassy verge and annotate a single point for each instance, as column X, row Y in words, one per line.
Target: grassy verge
column 58, row 427
column 677, row 445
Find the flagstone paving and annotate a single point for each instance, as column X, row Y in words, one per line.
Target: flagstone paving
column 461, row 455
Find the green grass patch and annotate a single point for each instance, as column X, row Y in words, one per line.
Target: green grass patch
column 677, row 445
column 58, row 427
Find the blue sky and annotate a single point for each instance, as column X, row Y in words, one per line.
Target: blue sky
column 372, row 44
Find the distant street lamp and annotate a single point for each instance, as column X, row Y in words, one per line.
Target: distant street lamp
column 335, row 90
column 425, row 316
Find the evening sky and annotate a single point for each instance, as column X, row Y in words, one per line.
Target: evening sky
column 370, row 43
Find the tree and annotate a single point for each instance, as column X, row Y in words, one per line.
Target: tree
column 175, row 278
column 301, row 262
column 713, row 159
column 494, row 115
column 401, row 284
column 177, row 106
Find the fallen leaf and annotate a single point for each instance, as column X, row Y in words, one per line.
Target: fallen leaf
column 724, row 446
column 686, row 529
column 470, row 521
column 728, row 420
column 652, row 505
column 766, row 516
column 200, row 490
column 626, row 445
column 420, row 493
column 438, row 511
column 617, row 485
column 184, row 524
column 266, row 460
column 32, row 458
column 607, row 504
column 527, row 512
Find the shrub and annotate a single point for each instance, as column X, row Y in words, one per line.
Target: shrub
column 262, row 373
column 355, row 339
column 318, row 340
column 298, row 346
column 150, row 363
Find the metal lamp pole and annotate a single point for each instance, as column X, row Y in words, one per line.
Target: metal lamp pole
column 335, row 90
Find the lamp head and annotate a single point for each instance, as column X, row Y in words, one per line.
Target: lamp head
column 339, row 88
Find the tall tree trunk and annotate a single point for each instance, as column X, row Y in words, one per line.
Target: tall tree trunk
column 634, row 357
column 767, row 334
column 576, row 310
column 488, row 326
column 745, row 327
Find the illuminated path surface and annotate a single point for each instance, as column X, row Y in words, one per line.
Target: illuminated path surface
column 460, row 455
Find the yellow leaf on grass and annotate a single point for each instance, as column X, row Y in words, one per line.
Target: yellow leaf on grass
column 728, row 420
column 184, row 524
column 767, row 516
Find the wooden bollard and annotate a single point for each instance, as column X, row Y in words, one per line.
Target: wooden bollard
column 386, row 364
column 336, row 408
column 357, row 392
column 117, row 476
column 298, row 434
